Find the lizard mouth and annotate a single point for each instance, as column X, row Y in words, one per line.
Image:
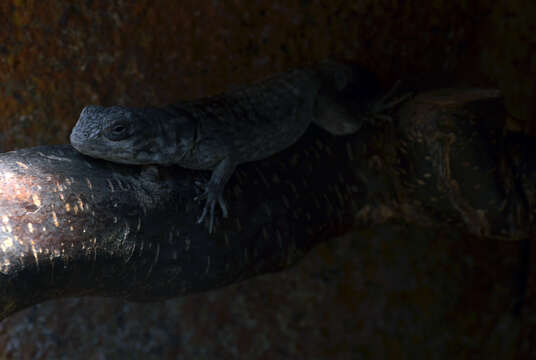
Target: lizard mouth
column 81, row 146
column 85, row 148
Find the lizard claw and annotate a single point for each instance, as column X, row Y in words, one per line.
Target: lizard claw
column 212, row 197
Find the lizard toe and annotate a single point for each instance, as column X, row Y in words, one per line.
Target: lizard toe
column 208, row 209
column 211, row 222
column 223, row 206
column 200, row 197
column 203, row 214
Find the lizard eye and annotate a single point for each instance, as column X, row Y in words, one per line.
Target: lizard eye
column 117, row 132
column 118, row 129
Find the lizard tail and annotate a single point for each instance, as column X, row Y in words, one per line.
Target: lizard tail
column 346, row 92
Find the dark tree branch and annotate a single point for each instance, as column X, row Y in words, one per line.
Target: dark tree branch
column 74, row 226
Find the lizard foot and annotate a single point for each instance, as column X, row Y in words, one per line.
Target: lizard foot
column 212, row 197
column 386, row 102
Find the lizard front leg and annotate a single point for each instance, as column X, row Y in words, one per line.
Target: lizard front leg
column 214, row 191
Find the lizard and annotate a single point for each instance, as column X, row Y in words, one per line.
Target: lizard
column 245, row 124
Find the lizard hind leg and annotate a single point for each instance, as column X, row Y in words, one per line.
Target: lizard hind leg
column 334, row 117
column 388, row 101
column 213, row 192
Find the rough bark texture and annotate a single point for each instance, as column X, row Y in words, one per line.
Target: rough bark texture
column 424, row 174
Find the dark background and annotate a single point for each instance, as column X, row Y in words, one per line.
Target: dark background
column 388, row 292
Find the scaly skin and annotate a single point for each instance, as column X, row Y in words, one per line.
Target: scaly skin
column 218, row 133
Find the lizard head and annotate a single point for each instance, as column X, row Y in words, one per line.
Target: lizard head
column 123, row 135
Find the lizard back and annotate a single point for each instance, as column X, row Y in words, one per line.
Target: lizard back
column 250, row 123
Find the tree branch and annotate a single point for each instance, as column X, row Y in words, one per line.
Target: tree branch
column 73, row 226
